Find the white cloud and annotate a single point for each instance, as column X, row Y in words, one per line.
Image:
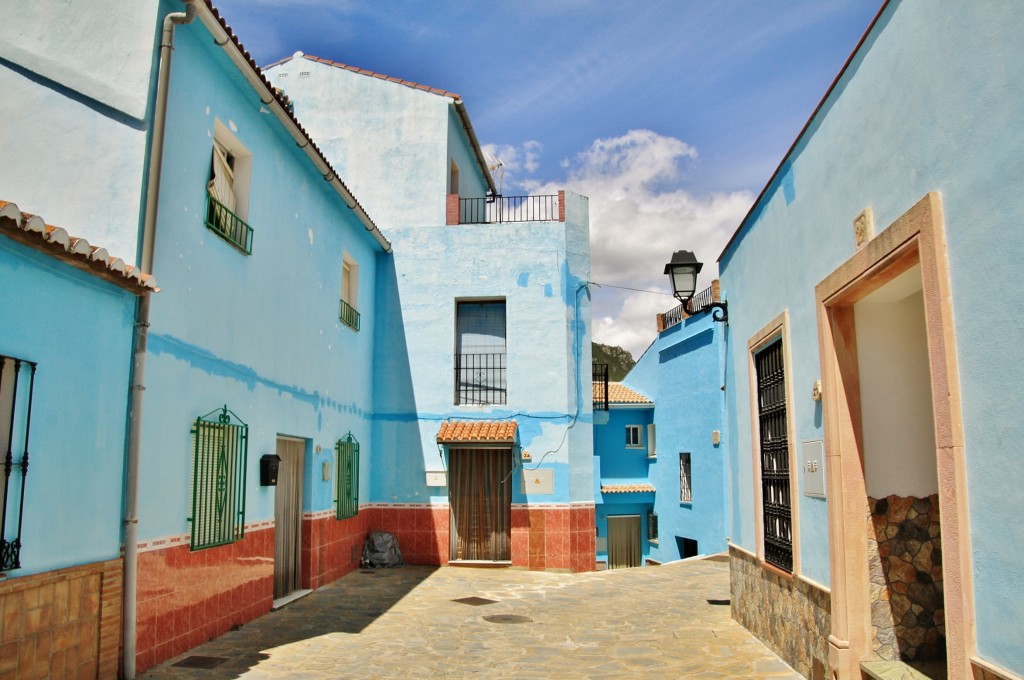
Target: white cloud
column 640, row 215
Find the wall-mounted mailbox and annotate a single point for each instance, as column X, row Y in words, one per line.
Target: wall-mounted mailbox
column 269, row 465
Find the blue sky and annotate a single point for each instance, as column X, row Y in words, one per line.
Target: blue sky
column 670, row 115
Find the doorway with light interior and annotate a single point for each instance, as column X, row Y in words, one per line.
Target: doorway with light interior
column 894, row 462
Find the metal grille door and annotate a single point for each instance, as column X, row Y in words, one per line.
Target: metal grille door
column 775, row 491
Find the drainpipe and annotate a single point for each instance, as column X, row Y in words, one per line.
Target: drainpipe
column 131, row 519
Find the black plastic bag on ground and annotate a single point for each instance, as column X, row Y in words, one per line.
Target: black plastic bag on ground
column 381, row 550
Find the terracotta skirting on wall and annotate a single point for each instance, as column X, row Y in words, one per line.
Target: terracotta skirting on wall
column 187, row 597
column 790, row 615
column 62, row 624
column 556, row 537
column 331, row 547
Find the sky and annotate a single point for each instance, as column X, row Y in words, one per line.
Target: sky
column 670, row 115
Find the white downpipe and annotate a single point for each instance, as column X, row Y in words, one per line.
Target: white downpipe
column 131, row 518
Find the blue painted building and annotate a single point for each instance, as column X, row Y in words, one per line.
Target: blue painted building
column 873, row 374
column 682, row 372
column 480, row 334
column 68, row 313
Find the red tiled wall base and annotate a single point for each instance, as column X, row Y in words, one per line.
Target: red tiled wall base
column 186, row 598
column 543, row 538
column 331, row 548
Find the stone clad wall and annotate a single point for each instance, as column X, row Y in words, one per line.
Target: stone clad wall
column 788, row 614
column 905, row 563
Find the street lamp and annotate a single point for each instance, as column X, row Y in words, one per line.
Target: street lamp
column 682, row 271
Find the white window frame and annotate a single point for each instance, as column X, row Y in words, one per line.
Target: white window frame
column 239, row 160
column 634, row 436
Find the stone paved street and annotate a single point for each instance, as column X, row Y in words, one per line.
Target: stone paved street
column 637, row 623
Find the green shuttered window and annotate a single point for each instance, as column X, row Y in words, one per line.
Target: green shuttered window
column 347, row 450
column 220, row 443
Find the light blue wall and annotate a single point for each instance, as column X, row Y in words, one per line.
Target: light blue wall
column 78, row 328
column 388, row 142
column 258, row 333
column 548, row 337
column 931, row 103
column 76, row 84
column 682, row 373
column 472, row 183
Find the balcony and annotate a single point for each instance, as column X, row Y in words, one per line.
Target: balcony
column 228, row 225
column 349, row 316
column 504, row 209
column 675, row 316
column 600, row 373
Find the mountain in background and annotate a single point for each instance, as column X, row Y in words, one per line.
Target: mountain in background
column 619, row 360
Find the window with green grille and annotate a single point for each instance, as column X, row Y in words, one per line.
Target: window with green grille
column 220, row 442
column 347, row 451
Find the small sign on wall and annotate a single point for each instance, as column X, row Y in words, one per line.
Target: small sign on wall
column 437, row 479
column 539, row 481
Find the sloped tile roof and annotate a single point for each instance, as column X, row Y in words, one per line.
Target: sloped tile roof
column 620, row 394
column 477, row 431
column 627, row 488
column 35, row 233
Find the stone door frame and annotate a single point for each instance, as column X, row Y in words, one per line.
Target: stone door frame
column 916, row 237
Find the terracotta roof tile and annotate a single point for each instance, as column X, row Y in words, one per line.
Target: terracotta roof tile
column 620, row 394
column 627, row 488
column 490, row 431
column 33, row 231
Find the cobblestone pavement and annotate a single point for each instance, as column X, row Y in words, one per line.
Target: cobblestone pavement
column 654, row 622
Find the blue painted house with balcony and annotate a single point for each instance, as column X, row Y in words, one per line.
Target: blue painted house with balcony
column 658, row 448
column 482, row 349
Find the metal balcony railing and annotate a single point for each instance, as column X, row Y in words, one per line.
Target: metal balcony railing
column 498, row 209
column 480, row 379
column 677, row 314
column 349, row 316
column 228, row 225
column 600, row 387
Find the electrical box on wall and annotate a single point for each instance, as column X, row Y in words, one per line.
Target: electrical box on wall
column 539, row 481
column 437, row 479
column 813, row 459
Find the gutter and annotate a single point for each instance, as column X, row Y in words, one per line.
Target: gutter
column 138, row 387
column 460, row 108
column 224, row 39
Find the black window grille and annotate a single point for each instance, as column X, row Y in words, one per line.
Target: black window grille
column 347, row 453
column 220, row 442
column 685, row 480
column 774, row 449
column 652, row 526
column 17, row 381
column 600, row 374
column 480, row 353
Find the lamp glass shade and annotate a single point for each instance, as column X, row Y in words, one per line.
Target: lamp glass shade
column 684, row 280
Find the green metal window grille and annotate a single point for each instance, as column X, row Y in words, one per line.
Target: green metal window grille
column 228, row 225
column 349, row 315
column 220, row 442
column 347, row 451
